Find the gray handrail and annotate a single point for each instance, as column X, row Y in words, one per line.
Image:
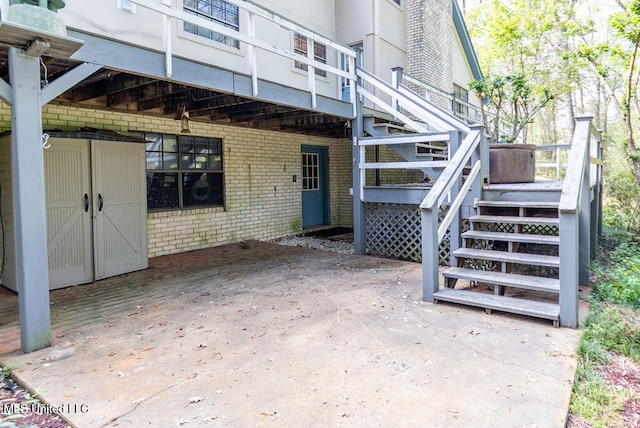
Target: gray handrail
column 578, row 161
column 453, row 170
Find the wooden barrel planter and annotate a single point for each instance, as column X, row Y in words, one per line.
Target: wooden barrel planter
column 512, row 163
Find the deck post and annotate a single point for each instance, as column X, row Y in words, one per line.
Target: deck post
column 359, row 244
column 396, row 80
column 569, row 268
column 32, row 270
column 430, row 274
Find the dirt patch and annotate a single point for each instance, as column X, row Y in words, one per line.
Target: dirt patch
column 623, row 373
column 17, row 406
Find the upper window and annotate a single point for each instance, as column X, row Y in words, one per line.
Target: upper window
column 319, row 53
column 218, row 11
column 396, row 1
column 183, row 171
column 460, row 100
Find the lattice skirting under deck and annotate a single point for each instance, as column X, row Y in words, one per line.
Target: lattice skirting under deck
column 395, row 230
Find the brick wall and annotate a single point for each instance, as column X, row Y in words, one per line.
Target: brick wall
column 430, row 38
column 262, row 201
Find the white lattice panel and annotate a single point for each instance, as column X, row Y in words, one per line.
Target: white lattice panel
column 395, row 230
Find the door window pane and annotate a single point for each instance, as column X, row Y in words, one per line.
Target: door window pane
column 310, row 171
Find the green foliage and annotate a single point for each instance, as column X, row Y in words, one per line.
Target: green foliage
column 622, row 206
column 513, row 103
column 527, row 42
column 610, row 329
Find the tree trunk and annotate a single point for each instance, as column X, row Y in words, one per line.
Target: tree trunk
column 628, row 119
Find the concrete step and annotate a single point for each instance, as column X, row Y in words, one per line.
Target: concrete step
column 490, row 302
column 508, row 257
column 512, row 237
column 543, row 221
column 526, row 282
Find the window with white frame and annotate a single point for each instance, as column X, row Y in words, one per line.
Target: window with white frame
column 183, row 171
column 460, row 100
column 218, row 11
column 396, row 2
column 300, row 45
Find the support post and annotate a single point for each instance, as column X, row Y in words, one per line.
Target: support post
column 32, row 272
column 359, row 244
column 430, row 274
column 569, row 237
column 396, row 80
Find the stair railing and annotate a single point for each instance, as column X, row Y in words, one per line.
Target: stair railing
column 580, row 216
column 405, row 103
column 474, row 150
column 556, row 165
column 399, row 77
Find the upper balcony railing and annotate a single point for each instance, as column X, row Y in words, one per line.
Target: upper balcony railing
column 264, row 44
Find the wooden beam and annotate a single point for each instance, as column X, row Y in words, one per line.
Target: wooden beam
column 68, row 80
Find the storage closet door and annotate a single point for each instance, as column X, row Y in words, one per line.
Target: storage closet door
column 68, row 202
column 120, row 208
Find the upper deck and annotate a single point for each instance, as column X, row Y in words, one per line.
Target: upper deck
column 230, row 62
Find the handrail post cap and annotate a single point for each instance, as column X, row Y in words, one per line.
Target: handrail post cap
column 476, row 126
column 584, row 117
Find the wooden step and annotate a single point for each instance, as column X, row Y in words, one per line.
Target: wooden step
column 519, row 204
column 543, row 221
column 513, row 237
column 526, row 282
column 508, row 257
column 513, row 305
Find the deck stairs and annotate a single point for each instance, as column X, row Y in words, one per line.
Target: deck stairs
column 515, row 248
column 509, row 257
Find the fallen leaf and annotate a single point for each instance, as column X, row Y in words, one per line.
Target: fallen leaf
column 68, row 395
column 195, row 399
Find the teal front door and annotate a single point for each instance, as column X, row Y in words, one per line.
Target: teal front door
column 315, row 186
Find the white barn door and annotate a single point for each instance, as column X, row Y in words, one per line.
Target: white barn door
column 120, row 208
column 96, row 210
column 68, row 202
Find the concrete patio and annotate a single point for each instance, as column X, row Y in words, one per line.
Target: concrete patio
column 260, row 334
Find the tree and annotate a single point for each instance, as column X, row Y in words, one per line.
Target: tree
column 526, row 41
column 512, row 103
column 615, row 61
